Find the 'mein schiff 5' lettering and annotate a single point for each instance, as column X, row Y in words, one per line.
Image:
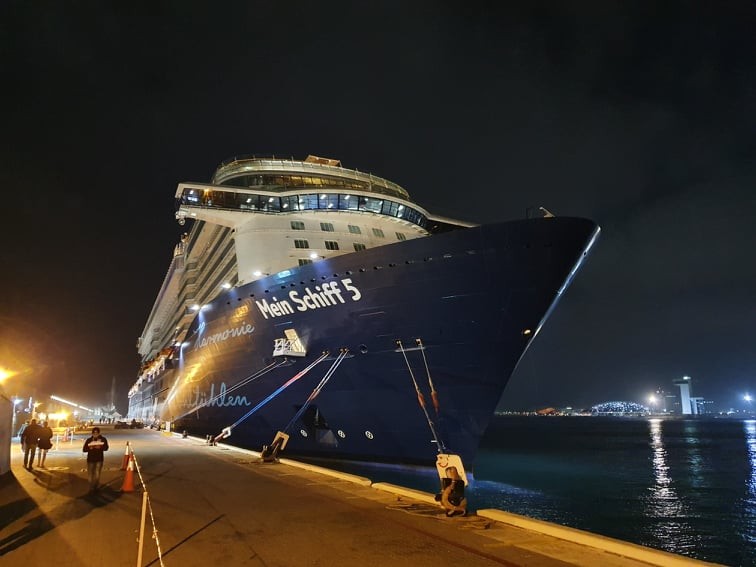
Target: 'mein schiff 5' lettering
column 327, row 294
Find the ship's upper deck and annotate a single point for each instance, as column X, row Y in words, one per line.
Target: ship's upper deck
column 313, row 173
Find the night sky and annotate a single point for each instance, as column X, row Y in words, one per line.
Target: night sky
column 640, row 116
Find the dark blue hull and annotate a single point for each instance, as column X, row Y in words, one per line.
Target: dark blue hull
column 474, row 297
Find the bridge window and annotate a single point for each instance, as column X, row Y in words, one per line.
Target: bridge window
column 301, row 244
column 297, row 225
column 358, row 246
column 331, row 245
column 326, row 226
column 400, row 236
column 354, row 229
column 379, row 233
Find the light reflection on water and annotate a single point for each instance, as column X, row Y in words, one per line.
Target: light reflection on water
column 682, row 485
column 664, row 507
column 750, row 500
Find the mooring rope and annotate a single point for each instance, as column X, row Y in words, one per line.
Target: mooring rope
column 227, row 430
column 251, row 378
column 434, row 393
column 421, row 400
column 314, row 394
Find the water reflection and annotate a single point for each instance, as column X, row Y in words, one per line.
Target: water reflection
column 664, row 502
column 664, row 507
column 750, row 501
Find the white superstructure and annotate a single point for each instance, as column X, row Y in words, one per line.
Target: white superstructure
column 262, row 216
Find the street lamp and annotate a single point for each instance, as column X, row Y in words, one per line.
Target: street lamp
column 652, row 402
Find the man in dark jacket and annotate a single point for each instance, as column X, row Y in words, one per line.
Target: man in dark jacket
column 95, row 448
column 29, row 439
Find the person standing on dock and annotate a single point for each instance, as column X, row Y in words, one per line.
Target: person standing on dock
column 29, row 442
column 95, row 447
column 44, row 443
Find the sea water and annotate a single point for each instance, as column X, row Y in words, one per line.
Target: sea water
column 686, row 486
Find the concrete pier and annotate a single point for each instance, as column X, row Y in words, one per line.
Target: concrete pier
column 222, row 506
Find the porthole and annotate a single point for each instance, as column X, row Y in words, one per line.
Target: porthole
column 363, row 349
column 369, row 434
column 341, row 434
column 303, row 433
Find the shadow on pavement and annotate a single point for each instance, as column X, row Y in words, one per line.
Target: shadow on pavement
column 21, row 520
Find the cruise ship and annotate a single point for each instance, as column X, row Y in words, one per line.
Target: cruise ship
column 320, row 310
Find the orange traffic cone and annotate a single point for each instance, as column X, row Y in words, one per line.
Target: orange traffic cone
column 125, row 461
column 128, row 480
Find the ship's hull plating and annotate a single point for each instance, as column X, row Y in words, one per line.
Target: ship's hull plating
column 474, row 297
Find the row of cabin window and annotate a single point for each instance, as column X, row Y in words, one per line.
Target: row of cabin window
column 354, row 229
column 329, row 245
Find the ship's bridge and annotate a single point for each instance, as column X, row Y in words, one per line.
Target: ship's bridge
column 285, row 213
column 282, row 199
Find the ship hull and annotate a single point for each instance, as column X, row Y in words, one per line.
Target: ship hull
column 453, row 312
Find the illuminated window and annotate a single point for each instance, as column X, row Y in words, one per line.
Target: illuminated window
column 326, row 226
column 379, row 233
column 358, row 246
column 301, row 244
column 297, row 225
column 331, row 245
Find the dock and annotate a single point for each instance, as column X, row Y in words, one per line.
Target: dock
column 219, row 505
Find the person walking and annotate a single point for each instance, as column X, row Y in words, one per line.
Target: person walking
column 95, row 447
column 44, row 444
column 29, row 439
column 21, row 430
